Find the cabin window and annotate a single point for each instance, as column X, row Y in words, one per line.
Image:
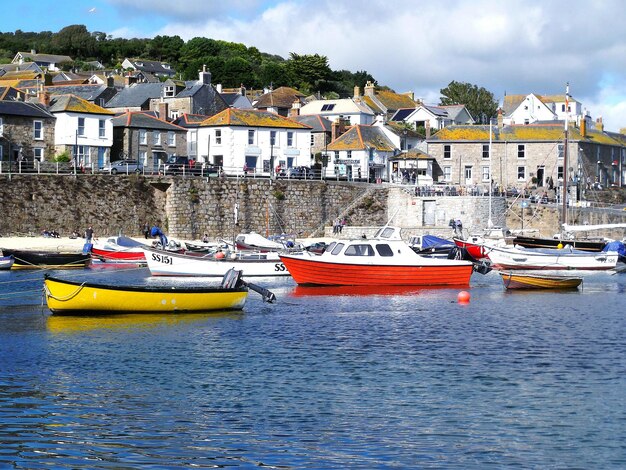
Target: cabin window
column 384, row 250
column 331, row 246
column 521, row 151
column 447, row 152
column 485, row 151
column 386, row 232
column 359, row 250
column 337, row 249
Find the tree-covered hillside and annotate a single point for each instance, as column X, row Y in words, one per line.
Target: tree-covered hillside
column 230, row 64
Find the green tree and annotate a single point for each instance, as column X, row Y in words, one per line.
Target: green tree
column 480, row 102
column 166, row 48
column 308, row 71
column 74, row 41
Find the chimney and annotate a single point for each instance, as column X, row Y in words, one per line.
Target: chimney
column 599, row 124
column 129, row 80
column 583, row 127
column 427, row 127
column 357, row 92
column 44, row 98
column 500, row 120
column 369, row 89
column 163, row 109
column 33, row 51
column 295, row 108
column 205, row 76
column 110, row 82
column 218, row 87
column 335, row 129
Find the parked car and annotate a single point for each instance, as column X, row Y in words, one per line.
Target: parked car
column 178, row 164
column 122, row 166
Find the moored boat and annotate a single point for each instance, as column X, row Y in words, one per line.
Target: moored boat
column 540, row 242
column 119, row 249
column 6, row 262
column 74, row 298
column 384, row 259
column 253, row 264
column 509, row 257
column 25, row 259
column 518, row 280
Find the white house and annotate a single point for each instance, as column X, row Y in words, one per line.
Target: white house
column 434, row 117
column 527, row 109
column 348, row 109
column 51, row 62
column 258, row 140
column 83, row 129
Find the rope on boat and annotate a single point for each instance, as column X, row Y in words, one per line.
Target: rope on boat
column 67, row 297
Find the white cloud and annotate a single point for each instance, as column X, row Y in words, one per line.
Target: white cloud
column 513, row 47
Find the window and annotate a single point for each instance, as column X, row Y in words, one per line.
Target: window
column 486, row 173
column 174, row 115
column 143, row 137
column 143, row 158
column 169, row 91
column 218, row 137
column 328, row 107
column 156, row 138
column 337, row 249
column 250, row 137
column 312, row 139
column 521, row 173
column 81, row 126
column 171, row 138
column 359, row 250
column 384, row 250
column 559, row 173
column 82, row 154
column 1, row 126
column 560, row 150
column 485, row 151
column 38, row 130
column 447, row 152
column 290, row 139
column 468, row 173
column 102, row 128
column 349, row 154
column 447, row 173
column 38, row 154
column 272, row 137
column 521, row 151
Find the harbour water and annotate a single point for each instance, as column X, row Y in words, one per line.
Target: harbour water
column 324, row 378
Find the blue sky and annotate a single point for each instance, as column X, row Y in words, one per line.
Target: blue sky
column 513, row 47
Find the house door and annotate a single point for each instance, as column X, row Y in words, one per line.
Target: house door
column 101, row 153
column 468, row 175
column 429, row 212
column 540, row 175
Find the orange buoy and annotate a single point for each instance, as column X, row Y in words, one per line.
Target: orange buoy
column 220, row 255
column 463, row 297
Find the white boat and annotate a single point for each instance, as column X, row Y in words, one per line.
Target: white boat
column 515, row 257
column 166, row 263
column 6, row 262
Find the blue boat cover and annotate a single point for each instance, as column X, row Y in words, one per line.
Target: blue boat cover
column 616, row 246
column 431, row 241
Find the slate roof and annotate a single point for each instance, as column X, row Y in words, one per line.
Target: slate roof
column 362, row 137
column 9, row 93
column 74, row 104
column 454, row 110
column 234, row 117
column 190, row 120
column 87, row 92
column 230, row 98
column 21, row 108
column 139, row 119
column 282, row 97
column 316, row 122
column 49, row 58
column 152, row 66
column 552, row 132
column 135, row 95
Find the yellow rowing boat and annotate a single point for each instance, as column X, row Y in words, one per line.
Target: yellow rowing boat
column 75, row 298
column 518, row 280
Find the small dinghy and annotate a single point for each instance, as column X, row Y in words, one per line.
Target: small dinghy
column 518, row 280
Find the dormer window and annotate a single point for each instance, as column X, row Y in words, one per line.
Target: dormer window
column 166, row 66
column 169, row 91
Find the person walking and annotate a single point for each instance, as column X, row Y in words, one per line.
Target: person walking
column 146, row 230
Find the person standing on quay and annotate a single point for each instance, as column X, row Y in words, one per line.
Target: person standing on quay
column 89, row 235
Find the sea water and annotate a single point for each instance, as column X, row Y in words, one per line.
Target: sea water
column 324, row 378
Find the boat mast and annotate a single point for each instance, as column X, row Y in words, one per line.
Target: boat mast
column 565, row 163
column 489, row 221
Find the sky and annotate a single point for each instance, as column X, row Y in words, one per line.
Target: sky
column 508, row 47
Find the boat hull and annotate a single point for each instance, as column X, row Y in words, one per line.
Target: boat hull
column 307, row 270
column 513, row 280
column 535, row 242
column 6, row 262
column 73, row 298
column 25, row 259
column 134, row 256
column 163, row 263
column 535, row 259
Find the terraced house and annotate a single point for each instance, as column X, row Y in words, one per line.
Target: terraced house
column 524, row 156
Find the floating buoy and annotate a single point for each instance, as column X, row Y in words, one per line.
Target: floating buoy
column 560, row 246
column 220, row 255
column 463, row 297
